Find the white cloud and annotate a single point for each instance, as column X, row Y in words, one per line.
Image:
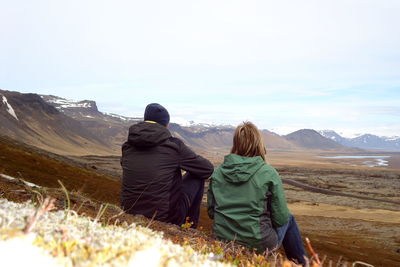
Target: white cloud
column 282, row 64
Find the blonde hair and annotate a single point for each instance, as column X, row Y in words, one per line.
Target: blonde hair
column 247, row 141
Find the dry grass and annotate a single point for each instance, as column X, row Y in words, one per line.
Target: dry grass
column 88, row 193
column 200, row 241
column 25, row 162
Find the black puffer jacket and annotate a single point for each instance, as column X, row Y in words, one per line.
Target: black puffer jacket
column 152, row 161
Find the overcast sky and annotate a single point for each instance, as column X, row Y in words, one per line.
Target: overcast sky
column 285, row 65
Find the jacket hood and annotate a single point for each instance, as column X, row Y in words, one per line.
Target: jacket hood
column 145, row 134
column 239, row 169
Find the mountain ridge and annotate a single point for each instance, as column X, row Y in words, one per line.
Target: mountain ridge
column 197, row 135
column 42, row 125
column 311, row 139
column 54, row 123
column 365, row 141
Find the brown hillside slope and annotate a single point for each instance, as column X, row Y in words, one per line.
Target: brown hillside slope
column 221, row 138
column 311, row 139
column 42, row 125
column 89, row 191
column 353, row 238
column 110, row 128
column 45, row 169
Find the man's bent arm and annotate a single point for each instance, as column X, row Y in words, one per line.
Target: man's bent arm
column 195, row 164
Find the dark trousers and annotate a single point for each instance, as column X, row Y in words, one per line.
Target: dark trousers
column 290, row 238
column 190, row 200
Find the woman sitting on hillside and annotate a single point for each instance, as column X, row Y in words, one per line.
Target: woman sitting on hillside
column 247, row 202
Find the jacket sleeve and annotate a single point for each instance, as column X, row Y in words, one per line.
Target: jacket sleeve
column 210, row 201
column 194, row 164
column 279, row 208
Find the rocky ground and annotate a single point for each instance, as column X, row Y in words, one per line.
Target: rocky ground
column 63, row 238
column 80, row 231
column 349, row 212
column 345, row 226
column 355, row 214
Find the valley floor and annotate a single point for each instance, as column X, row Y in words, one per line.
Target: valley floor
column 360, row 220
column 338, row 225
column 354, row 214
column 350, row 213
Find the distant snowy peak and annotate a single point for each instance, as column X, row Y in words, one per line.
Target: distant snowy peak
column 309, row 138
column 336, row 136
column 331, row 135
column 364, row 141
column 85, row 110
column 200, row 125
column 350, row 135
column 391, row 138
column 63, row 104
column 9, row 108
column 367, row 137
column 123, row 118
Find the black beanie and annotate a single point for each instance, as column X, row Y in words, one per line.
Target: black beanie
column 156, row 112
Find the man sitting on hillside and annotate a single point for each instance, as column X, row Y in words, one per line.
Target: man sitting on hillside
column 152, row 162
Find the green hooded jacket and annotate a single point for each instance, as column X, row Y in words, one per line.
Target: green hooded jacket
column 246, row 201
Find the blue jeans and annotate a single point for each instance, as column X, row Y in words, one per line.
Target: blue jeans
column 289, row 236
column 190, row 201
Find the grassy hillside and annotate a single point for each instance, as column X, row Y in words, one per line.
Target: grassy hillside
column 89, row 190
column 88, row 193
column 45, row 169
column 42, row 125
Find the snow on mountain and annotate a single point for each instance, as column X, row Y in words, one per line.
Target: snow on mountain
column 391, row 138
column 87, row 113
column 41, row 124
column 84, row 110
column 9, row 108
column 182, row 121
column 199, row 125
column 331, row 135
column 67, row 103
column 122, row 118
column 350, row 135
column 308, row 138
column 364, row 141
